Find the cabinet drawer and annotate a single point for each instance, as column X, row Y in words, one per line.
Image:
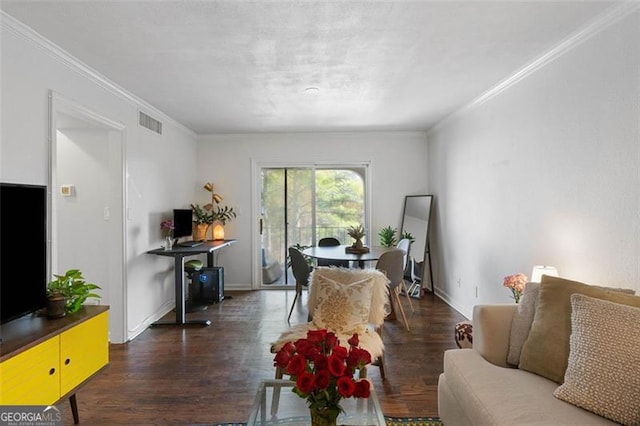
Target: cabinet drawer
column 32, row 377
column 84, row 349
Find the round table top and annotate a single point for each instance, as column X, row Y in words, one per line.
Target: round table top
column 339, row 253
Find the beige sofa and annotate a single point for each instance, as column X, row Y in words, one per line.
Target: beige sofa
column 478, row 387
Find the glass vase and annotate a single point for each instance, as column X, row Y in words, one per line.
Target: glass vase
column 168, row 243
column 324, row 416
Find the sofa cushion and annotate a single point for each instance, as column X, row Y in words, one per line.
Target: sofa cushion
column 492, row 395
column 546, row 350
column 521, row 322
column 603, row 374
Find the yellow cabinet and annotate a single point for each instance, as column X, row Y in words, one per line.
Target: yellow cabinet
column 46, row 360
column 83, row 351
column 33, row 377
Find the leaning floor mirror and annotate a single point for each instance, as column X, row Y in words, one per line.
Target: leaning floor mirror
column 415, row 221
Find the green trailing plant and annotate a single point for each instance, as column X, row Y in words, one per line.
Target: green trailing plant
column 387, row 236
column 73, row 287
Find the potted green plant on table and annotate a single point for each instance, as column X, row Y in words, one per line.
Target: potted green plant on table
column 202, row 220
column 66, row 293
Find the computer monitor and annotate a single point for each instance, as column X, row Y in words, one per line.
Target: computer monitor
column 182, row 222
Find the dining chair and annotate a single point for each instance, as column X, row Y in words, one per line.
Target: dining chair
column 331, row 242
column 301, row 271
column 391, row 263
column 405, row 245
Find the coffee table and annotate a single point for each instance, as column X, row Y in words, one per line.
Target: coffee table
column 289, row 409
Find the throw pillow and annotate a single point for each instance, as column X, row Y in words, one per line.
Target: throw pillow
column 603, row 375
column 546, row 350
column 521, row 322
column 342, row 308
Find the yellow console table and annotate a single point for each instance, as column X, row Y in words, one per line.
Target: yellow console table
column 44, row 361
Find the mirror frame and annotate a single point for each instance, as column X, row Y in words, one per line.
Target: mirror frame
column 427, row 252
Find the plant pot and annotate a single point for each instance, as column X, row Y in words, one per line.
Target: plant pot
column 200, row 232
column 358, row 244
column 56, row 306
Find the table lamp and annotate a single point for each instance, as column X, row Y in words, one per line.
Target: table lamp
column 540, row 270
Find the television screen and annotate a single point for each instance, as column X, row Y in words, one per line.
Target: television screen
column 182, row 221
column 23, row 249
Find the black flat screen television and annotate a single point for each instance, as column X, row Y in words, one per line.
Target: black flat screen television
column 182, row 222
column 23, row 249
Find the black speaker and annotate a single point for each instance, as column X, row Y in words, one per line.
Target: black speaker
column 212, row 284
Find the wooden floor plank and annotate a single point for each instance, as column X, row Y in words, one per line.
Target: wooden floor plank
column 179, row 376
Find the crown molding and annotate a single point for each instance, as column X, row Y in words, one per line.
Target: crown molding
column 597, row 25
column 21, row 30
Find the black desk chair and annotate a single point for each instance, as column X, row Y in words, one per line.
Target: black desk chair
column 331, row 242
column 301, row 272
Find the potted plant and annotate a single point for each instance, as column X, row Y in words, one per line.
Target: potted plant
column 387, row 236
column 69, row 291
column 202, row 219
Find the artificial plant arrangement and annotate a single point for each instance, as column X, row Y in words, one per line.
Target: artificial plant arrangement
column 387, row 236
column 73, row 288
column 324, row 372
column 357, row 233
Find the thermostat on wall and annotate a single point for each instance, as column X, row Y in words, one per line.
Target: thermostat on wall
column 67, row 190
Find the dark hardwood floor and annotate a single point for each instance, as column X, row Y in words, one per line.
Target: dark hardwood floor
column 181, row 376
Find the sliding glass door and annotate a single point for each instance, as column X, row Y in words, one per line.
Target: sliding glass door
column 301, row 205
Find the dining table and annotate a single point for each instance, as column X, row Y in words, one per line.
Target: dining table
column 340, row 253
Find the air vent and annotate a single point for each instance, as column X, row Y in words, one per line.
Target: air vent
column 150, row 123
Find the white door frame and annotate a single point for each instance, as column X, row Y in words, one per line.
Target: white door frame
column 59, row 104
column 256, row 166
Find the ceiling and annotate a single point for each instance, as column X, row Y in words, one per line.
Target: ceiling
column 244, row 66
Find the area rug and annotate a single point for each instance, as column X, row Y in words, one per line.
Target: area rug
column 391, row 421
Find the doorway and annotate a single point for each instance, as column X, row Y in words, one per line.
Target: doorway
column 299, row 205
column 86, row 185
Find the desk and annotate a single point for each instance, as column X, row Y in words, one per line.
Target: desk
column 339, row 253
column 179, row 253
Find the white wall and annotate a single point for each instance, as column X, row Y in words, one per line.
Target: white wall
column 160, row 172
column 397, row 169
column 547, row 172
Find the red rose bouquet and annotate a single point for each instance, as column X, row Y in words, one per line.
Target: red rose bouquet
column 324, row 371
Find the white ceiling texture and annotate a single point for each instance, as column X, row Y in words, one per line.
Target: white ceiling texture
column 221, row 66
